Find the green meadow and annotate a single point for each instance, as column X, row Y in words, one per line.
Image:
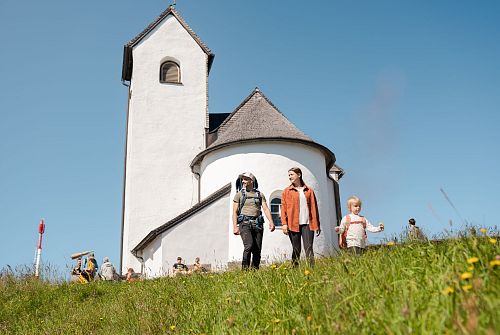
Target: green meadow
column 450, row 287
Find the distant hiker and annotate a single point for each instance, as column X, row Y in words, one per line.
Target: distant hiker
column 197, row 267
column 76, row 271
column 353, row 228
column 91, row 269
column 299, row 215
column 179, row 267
column 107, row 271
column 248, row 222
column 414, row 232
column 131, row 275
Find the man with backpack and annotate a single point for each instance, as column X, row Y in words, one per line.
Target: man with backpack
column 107, row 270
column 414, row 232
column 248, row 222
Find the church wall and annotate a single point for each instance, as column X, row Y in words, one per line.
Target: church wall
column 165, row 131
column 269, row 162
column 203, row 235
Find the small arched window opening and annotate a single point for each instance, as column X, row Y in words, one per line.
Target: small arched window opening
column 276, row 210
column 170, row 72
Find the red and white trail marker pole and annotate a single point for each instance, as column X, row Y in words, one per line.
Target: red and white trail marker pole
column 41, row 230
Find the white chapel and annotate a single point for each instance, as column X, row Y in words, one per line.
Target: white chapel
column 181, row 161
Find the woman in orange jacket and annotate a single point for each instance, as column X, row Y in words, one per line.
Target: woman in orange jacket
column 299, row 215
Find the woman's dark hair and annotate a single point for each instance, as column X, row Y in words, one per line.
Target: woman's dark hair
column 299, row 172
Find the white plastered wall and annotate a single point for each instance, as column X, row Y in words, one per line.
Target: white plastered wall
column 165, row 131
column 269, row 162
column 203, row 235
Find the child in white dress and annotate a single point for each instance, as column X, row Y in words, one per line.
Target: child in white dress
column 353, row 228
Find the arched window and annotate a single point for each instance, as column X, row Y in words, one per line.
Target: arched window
column 170, row 72
column 276, row 210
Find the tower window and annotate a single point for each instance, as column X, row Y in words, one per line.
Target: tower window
column 276, row 210
column 170, row 72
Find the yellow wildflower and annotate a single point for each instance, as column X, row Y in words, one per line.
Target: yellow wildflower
column 101, row 318
column 172, row 327
column 448, row 290
column 493, row 240
column 273, row 266
column 483, row 230
column 276, row 321
column 472, row 260
column 390, row 243
column 466, row 275
column 241, row 282
column 307, row 272
column 467, row 288
column 494, row 263
column 309, row 318
column 470, row 268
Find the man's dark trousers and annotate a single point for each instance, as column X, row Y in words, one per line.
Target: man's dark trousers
column 252, row 244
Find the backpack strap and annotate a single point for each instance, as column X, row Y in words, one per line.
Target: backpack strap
column 347, row 222
column 243, row 198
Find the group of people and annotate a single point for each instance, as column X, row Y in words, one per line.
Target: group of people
column 300, row 220
column 90, row 271
column 299, row 217
column 179, row 268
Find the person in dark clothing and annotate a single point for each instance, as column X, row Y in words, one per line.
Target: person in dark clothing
column 248, row 222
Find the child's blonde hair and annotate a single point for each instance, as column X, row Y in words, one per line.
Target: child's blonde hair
column 353, row 200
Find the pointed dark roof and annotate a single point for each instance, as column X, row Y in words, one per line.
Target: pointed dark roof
column 226, row 189
column 258, row 119
column 127, row 50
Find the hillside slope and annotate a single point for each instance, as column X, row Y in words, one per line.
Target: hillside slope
column 428, row 288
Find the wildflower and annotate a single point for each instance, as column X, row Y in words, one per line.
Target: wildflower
column 390, row 243
column 470, row 268
column 483, row 230
column 493, row 240
column 309, row 318
column 276, row 321
column 241, row 282
column 447, row 291
column 172, row 327
column 495, row 262
column 405, row 312
column 472, row 260
column 466, row 275
column 230, row 321
column 237, row 301
column 274, row 266
column 101, row 318
column 307, row 272
column 466, row 288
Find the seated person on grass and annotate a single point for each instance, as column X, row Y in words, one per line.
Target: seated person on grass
column 179, row 267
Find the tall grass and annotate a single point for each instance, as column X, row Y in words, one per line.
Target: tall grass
column 415, row 288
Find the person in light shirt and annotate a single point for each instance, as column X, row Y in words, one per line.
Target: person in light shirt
column 353, row 228
column 299, row 215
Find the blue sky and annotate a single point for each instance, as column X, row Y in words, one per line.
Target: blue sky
column 406, row 94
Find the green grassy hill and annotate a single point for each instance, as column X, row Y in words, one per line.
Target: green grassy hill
column 450, row 287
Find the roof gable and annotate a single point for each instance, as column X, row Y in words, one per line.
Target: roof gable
column 127, row 50
column 256, row 117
